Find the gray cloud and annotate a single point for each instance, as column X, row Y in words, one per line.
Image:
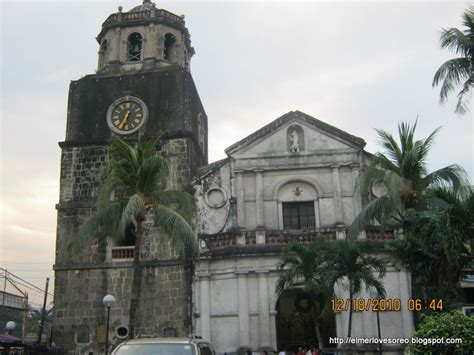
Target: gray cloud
column 355, row 65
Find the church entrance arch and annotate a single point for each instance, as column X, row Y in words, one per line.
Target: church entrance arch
column 296, row 319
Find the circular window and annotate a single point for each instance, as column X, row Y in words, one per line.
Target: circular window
column 215, row 197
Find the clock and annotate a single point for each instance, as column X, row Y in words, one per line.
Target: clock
column 127, row 115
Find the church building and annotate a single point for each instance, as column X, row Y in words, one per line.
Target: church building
column 293, row 179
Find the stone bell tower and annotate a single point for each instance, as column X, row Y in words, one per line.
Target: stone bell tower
column 144, row 64
column 145, row 38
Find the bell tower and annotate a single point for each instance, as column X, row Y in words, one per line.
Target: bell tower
column 143, row 85
column 144, row 38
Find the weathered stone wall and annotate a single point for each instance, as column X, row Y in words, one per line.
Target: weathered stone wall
column 84, row 278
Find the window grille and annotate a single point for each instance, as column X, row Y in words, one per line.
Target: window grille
column 298, row 215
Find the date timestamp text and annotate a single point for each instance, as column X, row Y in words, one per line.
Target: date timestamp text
column 385, row 304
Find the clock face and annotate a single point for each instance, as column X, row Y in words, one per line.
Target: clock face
column 126, row 115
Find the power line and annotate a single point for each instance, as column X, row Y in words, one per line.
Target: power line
column 30, row 288
column 27, row 262
column 28, row 285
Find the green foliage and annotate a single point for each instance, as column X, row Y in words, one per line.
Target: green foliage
column 134, row 187
column 401, row 174
column 34, row 320
column 458, row 72
column 320, row 265
column 304, row 264
column 352, row 267
column 435, row 245
column 443, row 326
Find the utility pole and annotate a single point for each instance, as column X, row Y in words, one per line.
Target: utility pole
column 25, row 317
column 43, row 311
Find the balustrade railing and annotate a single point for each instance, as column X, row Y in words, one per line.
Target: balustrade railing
column 281, row 237
column 140, row 16
column 123, row 253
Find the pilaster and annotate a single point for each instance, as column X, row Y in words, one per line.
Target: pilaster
column 205, row 307
column 240, row 198
column 336, row 182
column 259, row 197
column 244, row 320
column 263, row 309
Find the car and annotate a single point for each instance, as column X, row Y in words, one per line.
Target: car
column 164, row 346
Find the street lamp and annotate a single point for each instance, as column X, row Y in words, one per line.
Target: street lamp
column 108, row 301
column 10, row 328
column 375, row 294
column 11, row 325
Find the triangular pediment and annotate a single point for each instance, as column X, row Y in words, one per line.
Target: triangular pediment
column 295, row 133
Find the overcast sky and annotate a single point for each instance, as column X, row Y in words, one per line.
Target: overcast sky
column 355, row 65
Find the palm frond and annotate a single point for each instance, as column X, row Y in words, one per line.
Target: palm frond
column 453, row 175
column 180, row 200
column 133, row 213
column 452, row 73
column 175, row 226
column 390, row 144
column 375, row 211
column 101, row 224
column 151, row 171
column 456, row 41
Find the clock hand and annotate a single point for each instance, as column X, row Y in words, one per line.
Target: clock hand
column 124, row 120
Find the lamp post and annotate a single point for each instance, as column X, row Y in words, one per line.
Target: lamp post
column 10, row 328
column 11, row 325
column 375, row 294
column 108, row 301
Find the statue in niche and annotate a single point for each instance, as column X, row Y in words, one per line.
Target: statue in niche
column 297, row 328
column 295, row 145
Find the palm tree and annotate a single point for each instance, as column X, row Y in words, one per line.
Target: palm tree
column 305, row 266
column 317, row 267
column 133, row 189
column 435, row 248
column 458, row 71
column 34, row 319
column 352, row 267
column 400, row 175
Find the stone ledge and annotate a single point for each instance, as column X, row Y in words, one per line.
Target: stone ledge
column 116, row 265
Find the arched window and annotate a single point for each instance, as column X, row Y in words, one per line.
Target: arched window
column 170, row 43
column 299, row 206
column 102, row 53
column 134, row 47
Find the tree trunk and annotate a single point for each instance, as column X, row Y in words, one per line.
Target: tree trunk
column 351, row 296
column 136, row 283
column 318, row 333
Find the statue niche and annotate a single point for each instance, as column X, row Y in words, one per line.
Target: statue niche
column 295, row 139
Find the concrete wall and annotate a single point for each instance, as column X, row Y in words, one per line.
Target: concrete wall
column 234, row 287
column 233, row 315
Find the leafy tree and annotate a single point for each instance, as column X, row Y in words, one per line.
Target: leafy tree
column 458, row 71
column 133, row 189
column 401, row 175
column 305, row 266
column 446, row 325
column 435, row 247
column 321, row 265
column 352, row 267
column 34, row 319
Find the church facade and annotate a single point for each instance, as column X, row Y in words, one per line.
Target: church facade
column 293, row 179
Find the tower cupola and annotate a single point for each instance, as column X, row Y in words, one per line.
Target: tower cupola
column 144, row 38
